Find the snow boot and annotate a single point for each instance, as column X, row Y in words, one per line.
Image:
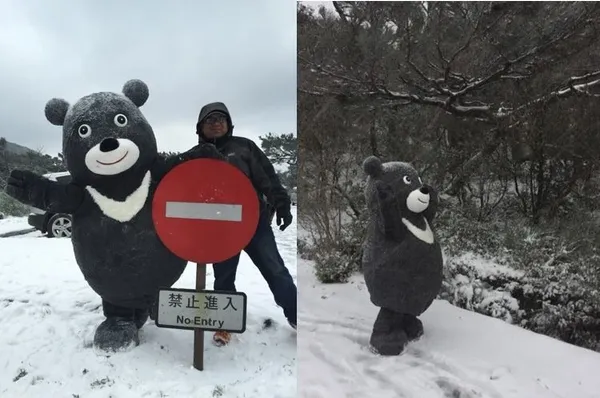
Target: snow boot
column 413, row 327
column 115, row 334
column 221, row 338
column 388, row 337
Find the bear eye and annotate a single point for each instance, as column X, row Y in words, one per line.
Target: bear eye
column 84, row 130
column 407, row 180
column 121, row 120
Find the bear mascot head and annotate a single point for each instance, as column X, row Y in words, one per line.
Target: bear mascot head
column 105, row 134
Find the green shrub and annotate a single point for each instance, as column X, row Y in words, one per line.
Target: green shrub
column 333, row 268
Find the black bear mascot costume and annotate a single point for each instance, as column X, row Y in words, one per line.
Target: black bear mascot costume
column 110, row 151
column 402, row 259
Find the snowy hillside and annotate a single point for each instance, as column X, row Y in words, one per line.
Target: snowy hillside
column 48, row 315
column 461, row 355
column 16, row 148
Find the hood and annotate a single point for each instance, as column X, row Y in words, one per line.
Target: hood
column 207, row 110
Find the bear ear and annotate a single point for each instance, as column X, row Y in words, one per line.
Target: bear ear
column 136, row 91
column 56, row 111
column 372, row 166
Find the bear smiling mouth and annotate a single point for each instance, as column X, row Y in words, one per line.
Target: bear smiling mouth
column 108, row 164
column 421, row 201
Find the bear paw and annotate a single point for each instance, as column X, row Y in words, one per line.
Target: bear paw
column 412, row 326
column 116, row 334
column 390, row 343
column 209, row 151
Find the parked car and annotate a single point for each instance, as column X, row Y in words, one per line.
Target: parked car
column 52, row 224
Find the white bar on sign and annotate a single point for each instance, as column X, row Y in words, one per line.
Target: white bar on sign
column 204, row 211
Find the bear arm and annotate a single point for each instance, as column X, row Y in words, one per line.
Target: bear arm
column 162, row 165
column 56, row 197
column 431, row 210
column 390, row 223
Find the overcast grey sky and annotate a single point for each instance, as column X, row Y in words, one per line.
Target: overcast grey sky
column 188, row 52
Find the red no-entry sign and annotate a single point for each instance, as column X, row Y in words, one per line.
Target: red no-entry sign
column 205, row 210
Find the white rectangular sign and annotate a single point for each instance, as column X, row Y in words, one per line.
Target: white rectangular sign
column 204, row 211
column 205, row 310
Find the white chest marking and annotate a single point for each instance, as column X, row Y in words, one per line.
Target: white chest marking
column 426, row 235
column 127, row 209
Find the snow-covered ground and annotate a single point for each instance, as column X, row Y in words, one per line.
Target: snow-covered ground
column 11, row 224
column 48, row 315
column 461, row 355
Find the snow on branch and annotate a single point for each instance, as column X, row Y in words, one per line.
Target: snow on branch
column 570, row 90
column 362, row 91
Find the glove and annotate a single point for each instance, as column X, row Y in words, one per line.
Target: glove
column 20, row 184
column 284, row 217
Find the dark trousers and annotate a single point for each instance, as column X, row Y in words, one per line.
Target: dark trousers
column 263, row 252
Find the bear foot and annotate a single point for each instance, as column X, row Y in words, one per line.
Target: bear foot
column 412, row 326
column 388, row 337
column 391, row 343
column 116, row 334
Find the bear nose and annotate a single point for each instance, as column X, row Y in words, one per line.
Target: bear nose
column 424, row 190
column 109, row 144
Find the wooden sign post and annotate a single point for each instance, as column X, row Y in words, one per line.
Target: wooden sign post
column 199, row 333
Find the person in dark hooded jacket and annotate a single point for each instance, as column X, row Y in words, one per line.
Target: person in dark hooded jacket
column 215, row 126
